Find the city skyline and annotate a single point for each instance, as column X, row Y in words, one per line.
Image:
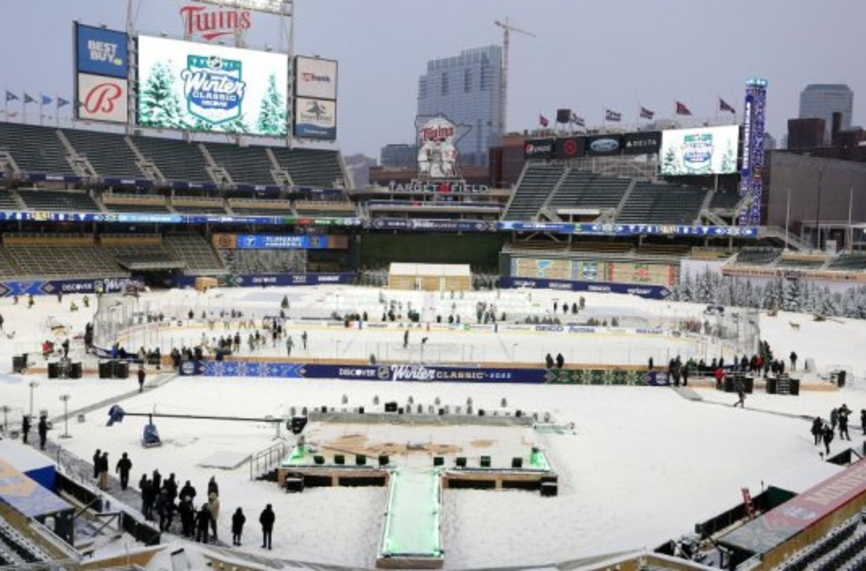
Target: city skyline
column 586, row 56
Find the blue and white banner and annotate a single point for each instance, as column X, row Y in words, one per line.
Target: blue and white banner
column 53, row 287
column 101, row 52
column 282, row 280
column 128, row 217
column 640, row 290
column 417, row 373
column 424, row 225
column 614, row 229
column 285, row 242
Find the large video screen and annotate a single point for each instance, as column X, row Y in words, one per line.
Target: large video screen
column 188, row 85
column 709, row 150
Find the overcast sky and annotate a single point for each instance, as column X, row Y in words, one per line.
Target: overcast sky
column 588, row 54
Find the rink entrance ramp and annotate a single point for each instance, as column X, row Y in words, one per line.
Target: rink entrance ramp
column 417, row 457
column 411, row 539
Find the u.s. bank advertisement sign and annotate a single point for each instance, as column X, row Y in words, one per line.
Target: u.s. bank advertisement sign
column 315, row 118
column 316, row 78
column 102, row 98
column 187, row 85
column 101, row 52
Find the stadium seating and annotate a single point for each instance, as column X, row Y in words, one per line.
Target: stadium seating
column 17, row 550
column 536, row 185
column 198, row 205
column 325, row 208
column 264, row 207
column 311, row 167
column 108, row 153
column 664, row 250
column 56, row 255
column 651, row 203
column 8, row 201
column 757, row 256
column 176, row 160
column 35, row 149
column 73, row 201
column 246, row 165
column 803, row 263
column 154, row 203
column 200, row 257
column 725, row 200
column 849, row 262
column 265, row 261
column 842, row 543
column 582, row 189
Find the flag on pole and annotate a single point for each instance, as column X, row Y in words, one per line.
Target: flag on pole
column 543, row 121
column 610, row 115
column 723, row 106
column 579, row 121
column 11, row 96
column 28, row 99
column 45, row 100
column 62, row 102
column 682, row 109
column 646, row 113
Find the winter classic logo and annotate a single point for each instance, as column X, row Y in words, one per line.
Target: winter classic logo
column 698, row 151
column 213, row 88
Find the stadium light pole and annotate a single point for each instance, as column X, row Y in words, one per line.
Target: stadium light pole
column 65, row 399
column 818, row 210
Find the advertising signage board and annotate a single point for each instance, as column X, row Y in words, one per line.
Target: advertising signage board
column 101, row 52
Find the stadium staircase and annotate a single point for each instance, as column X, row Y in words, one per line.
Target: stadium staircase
column 35, row 149
column 536, row 184
column 178, row 161
column 778, row 234
column 251, row 165
column 108, row 154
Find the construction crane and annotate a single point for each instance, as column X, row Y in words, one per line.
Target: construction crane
column 506, row 31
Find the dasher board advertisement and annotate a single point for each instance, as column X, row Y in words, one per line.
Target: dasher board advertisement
column 202, row 87
column 708, row 150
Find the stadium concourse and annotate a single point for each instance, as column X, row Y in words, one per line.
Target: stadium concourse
column 637, row 465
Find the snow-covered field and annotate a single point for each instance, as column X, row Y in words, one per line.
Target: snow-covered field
column 643, row 465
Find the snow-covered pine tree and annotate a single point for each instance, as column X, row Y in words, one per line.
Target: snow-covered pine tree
column 792, row 296
column 272, row 111
column 158, row 103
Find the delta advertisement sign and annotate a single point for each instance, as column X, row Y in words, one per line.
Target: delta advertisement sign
column 706, row 151
column 187, row 85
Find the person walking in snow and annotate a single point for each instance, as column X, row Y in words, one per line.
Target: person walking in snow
column 844, row 411
column 212, row 486
column 793, row 357
column 213, row 504
column 828, row 438
column 25, row 427
column 862, row 420
column 742, row 396
column 238, row 521
column 267, row 519
column 43, row 431
column 202, row 520
column 304, row 340
column 142, row 375
column 124, row 465
column 817, row 429
column 289, row 344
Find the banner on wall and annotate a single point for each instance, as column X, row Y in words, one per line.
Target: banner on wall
column 101, row 52
column 641, row 290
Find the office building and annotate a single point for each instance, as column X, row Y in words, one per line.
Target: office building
column 467, row 89
column 821, row 100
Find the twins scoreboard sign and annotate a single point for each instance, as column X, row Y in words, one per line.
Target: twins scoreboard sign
column 186, row 85
column 101, row 74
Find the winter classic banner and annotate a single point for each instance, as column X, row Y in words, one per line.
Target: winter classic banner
column 187, row 85
column 711, row 150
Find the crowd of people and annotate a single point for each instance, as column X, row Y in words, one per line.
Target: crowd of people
column 824, row 431
column 173, row 508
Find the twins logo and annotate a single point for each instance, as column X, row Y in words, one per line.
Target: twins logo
column 102, row 98
column 213, row 88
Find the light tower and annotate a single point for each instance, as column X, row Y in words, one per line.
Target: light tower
column 506, row 30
